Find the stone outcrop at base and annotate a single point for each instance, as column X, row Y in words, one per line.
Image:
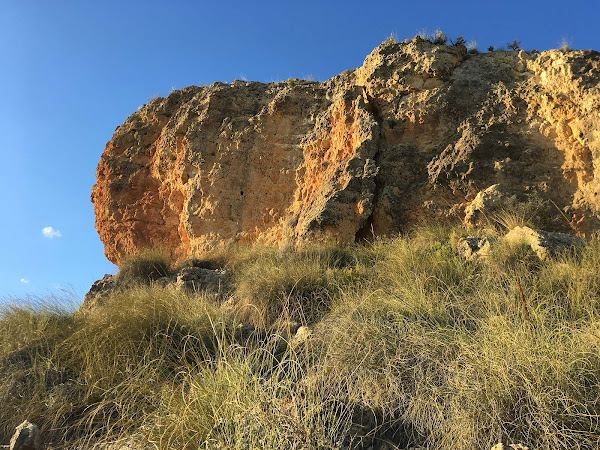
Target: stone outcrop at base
column 188, row 280
column 544, row 244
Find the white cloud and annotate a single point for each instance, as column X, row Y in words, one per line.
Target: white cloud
column 51, row 233
column 24, row 280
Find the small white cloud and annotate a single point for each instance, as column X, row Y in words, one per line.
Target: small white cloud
column 24, row 281
column 51, row 233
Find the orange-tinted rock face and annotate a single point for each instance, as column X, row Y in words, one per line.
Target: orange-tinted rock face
column 411, row 136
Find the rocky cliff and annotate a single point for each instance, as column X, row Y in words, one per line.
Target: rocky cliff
column 419, row 132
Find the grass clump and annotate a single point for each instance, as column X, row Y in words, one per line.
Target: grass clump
column 565, row 45
column 408, row 345
column 472, row 47
column 82, row 377
column 391, row 39
column 149, row 265
column 301, row 284
column 249, row 398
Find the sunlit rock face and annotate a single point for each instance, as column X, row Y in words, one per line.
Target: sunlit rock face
column 419, row 133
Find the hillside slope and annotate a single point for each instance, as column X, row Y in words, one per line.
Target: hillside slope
column 397, row 344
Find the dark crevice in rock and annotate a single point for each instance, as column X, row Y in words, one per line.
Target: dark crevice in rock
column 366, row 231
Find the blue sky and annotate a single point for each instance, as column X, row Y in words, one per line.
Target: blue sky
column 73, row 71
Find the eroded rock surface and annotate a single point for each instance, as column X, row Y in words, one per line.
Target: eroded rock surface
column 545, row 244
column 100, row 290
column 413, row 135
column 194, row 279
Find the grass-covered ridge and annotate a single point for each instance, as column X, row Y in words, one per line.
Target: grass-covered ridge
column 409, row 345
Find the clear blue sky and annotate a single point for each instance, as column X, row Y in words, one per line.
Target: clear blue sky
column 73, row 71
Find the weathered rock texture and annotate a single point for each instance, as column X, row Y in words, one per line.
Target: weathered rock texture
column 544, row 244
column 474, row 248
column 413, row 135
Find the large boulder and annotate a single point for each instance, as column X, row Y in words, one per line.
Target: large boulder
column 420, row 132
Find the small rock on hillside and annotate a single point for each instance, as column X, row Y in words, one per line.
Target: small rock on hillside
column 27, row 437
column 545, row 244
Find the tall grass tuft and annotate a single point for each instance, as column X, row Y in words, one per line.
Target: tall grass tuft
column 300, row 284
column 95, row 375
column 148, row 265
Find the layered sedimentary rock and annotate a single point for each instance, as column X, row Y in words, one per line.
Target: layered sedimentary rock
column 420, row 132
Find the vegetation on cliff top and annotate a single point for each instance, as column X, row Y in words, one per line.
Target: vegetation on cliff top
column 405, row 344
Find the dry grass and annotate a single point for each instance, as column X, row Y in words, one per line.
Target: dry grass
column 299, row 284
column 565, row 45
column 410, row 345
column 148, row 265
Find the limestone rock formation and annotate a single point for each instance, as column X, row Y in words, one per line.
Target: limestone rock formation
column 501, row 446
column 413, row 135
column 99, row 290
column 193, row 279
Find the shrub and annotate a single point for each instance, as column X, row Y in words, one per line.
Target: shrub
column 459, row 41
column 439, row 38
column 514, row 45
column 472, row 48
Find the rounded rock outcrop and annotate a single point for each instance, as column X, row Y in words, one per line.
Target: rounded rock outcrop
column 413, row 135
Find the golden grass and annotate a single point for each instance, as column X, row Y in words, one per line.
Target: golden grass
column 411, row 345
